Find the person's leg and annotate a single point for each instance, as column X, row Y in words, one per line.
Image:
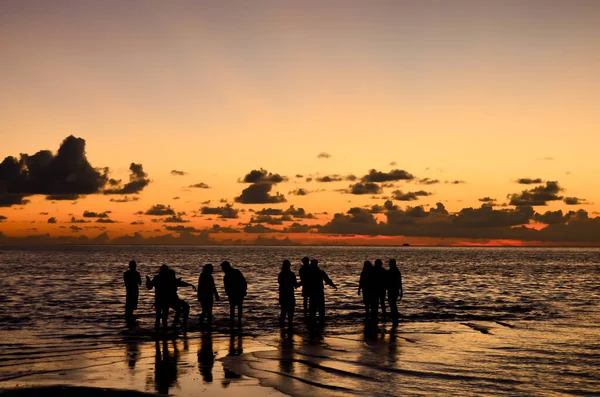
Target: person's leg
column 240, row 304
column 164, row 308
column 209, row 309
column 204, row 306
column 158, row 314
column 382, row 301
column 185, row 308
column 322, row 310
column 393, row 302
column 231, row 311
column 176, row 305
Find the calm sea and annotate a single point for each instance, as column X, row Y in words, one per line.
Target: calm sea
column 77, row 292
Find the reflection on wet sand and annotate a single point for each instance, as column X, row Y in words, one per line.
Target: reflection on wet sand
column 132, row 352
column 206, row 357
column 236, row 343
column 165, row 365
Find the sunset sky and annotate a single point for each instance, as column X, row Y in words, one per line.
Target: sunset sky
column 462, row 103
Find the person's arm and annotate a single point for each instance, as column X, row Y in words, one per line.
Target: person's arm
column 139, row 278
column 182, row 283
column 328, row 280
column 214, row 288
column 149, row 283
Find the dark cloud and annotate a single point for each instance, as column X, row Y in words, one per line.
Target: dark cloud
column 393, row 163
column 137, row 223
column 176, row 198
column 309, row 179
column 259, row 193
column 259, row 228
column 52, row 220
column 124, row 199
column 75, row 220
column 75, row 229
column 138, row 180
column 410, row 196
column 178, row 173
column 529, row 181
column 364, row 188
column 456, row 182
column 63, row 197
column 183, row 229
column 355, row 221
column 105, row 220
column 299, row 213
column 226, row 212
column 262, row 176
column 200, row 185
column 329, row 178
column 428, row 181
column 488, row 200
column 575, row 201
column 160, row 210
column 90, row 214
column 3, row 218
column 299, row 176
column 175, row 218
column 550, row 217
column 298, row 228
column 393, row 175
column 68, row 173
column 299, row 192
column 270, row 211
column 223, row 229
column 323, row 155
column 539, row 195
column 268, row 219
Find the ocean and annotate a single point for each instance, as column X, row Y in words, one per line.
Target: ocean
column 475, row 321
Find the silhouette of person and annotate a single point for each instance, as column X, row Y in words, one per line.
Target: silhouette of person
column 206, row 357
column 235, row 288
column 394, row 288
column 304, row 276
column 206, row 291
column 132, row 281
column 316, row 278
column 165, row 296
column 287, row 285
column 380, row 279
column 366, row 286
column 179, row 305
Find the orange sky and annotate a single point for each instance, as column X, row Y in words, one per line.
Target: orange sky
column 480, row 92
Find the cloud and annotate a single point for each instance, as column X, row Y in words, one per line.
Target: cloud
column 355, row 221
column 3, row 218
column 309, row 179
column 486, row 199
column 550, row 217
column 393, row 164
column 226, row 212
column 298, row 228
column 262, row 176
column 223, row 229
column 124, row 199
column 428, row 181
column 575, row 201
column 529, row 181
column 299, row 176
column 200, row 185
column 66, row 174
column 259, row 228
column 259, row 193
column 75, row 220
column 138, row 180
column 137, row 223
column 364, row 188
column 183, row 229
column 261, row 183
column 178, row 173
column 539, row 195
column 160, row 210
column 292, row 211
column 329, row 178
column 323, row 155
column 410, row 196
column 90, row 214
column 105, row 220
column 75, row 229
column 52, row 220
column 299, row 192
column 63, row 197
column 268, row 219
column 456, row 182
column 175, row 218
column 393, row 175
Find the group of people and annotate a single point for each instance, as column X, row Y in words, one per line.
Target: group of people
column 376, row 283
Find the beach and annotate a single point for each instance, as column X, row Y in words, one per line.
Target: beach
column 474, row 322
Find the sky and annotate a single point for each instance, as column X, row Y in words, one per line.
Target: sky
column 421, row 122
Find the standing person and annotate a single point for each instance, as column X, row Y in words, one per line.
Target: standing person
column 206, row 291
column 235, row 288
column 380, row 280
column 161, row 285
column 305, row 282
column 287, row 284
column 365, row 285
column 317, row 277
column 132, row 280
column 395, row 291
